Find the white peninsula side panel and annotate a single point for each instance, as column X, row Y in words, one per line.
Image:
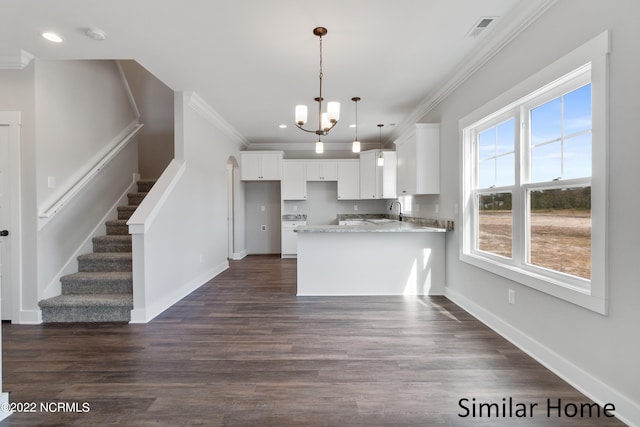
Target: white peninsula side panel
column 332, row 264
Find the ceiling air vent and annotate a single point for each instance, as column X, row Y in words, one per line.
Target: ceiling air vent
column 480, row 26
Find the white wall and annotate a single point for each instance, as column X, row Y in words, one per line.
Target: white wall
column 322, row 205
column 155, row 102
column 81, row 106
column 261, row 195
column 599, row 354
column 184, row 219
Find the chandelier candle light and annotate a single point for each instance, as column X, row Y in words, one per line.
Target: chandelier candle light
column 326, row 121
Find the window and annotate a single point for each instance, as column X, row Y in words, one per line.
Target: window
column 533, row 169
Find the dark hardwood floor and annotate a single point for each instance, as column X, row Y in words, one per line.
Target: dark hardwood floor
column 243, row 350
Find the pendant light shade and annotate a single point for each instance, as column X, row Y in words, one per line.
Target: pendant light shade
column 355, row 147
column 380, row 156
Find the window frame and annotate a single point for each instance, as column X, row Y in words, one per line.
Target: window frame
column 588, row 63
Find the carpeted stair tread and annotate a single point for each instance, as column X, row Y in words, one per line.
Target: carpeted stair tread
column 106, row 256
column 89, row 300
column 135, row 198
column 117, row 227
column 112, row 243
column 97, row 282
column 105, row 261
column 125, row 212
column 144, row 185
column 87, row 308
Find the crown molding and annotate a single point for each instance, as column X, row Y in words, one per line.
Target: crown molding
column 14, row 59
column 311, row 146
column 510, row 27
column 199, row 105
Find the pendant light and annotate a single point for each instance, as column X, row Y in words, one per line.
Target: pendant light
column 327, row 120
column 380, row 158
column 355, row 147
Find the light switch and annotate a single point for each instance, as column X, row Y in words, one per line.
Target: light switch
column 51, row 181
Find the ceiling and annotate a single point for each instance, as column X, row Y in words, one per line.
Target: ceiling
column 252, row 61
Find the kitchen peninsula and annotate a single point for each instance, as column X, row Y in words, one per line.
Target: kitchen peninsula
column 376, row 257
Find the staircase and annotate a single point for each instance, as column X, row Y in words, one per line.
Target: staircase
column 102, row 289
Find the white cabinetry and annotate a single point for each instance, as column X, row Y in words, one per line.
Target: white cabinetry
column 377, row 182
column 261, row 165
column 290, row 238
column 294, row 183
column 348, row 179
column 418, row 160
column 322, row 170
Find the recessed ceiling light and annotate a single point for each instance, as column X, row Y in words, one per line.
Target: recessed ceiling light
column 52, row 37
column 352, row 126
column 282, row 126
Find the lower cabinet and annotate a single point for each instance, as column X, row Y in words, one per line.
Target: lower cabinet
column 290, row 238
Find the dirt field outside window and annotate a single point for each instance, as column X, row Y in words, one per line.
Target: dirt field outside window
column 560, row 239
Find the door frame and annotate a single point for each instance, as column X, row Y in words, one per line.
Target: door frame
column 13, row 217
column 230, row 218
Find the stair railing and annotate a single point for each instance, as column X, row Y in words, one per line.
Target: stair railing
column 87, row 177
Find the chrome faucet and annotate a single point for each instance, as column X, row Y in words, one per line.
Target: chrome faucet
column 399, row 208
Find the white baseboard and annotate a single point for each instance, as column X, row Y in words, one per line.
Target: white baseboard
column 626, row 410
column 157, row 307
column 30, row 317
column 4, row 400
column 240, row 255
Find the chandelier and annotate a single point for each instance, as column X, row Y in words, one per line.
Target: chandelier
column 327, row 120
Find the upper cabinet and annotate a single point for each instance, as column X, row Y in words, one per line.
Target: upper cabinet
column 377, row 174
column 294, row 183
column 322, row 170
column 261, row 165
column 348, row 179
column 418, row 160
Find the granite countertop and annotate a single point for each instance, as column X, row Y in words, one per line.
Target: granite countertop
column 294, row 217
column 372, row 226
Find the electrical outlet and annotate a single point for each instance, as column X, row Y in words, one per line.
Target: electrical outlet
column 263, row 208
column 512, row 296
column 295, row 208
column 263, row 227
column 437, row 209
column 355, row 207
column 455, row 209
column 51, row 181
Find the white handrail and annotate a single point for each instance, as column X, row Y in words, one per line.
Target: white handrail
column 86, row 178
